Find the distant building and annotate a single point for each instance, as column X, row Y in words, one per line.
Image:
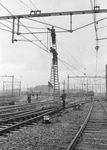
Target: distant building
column 38, row 89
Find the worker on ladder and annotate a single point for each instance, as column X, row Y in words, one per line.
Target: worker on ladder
column 53, row 35
column 55, row 59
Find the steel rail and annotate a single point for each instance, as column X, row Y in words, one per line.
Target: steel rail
column 24, row 115
column 36, row 109
column 102, row 105
column 68, row 105
column 75, row 139
column 19, row 124
column 22, row 112
column 6, row 107
column 23, row 106
column 10, row 124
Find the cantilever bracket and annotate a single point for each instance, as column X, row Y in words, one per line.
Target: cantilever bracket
column 13, row 30
column 18, row 24
column 70, row 22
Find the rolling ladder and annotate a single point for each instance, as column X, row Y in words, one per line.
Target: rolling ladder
column 54, row 78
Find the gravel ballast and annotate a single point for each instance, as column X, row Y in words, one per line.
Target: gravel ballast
column 40, row 136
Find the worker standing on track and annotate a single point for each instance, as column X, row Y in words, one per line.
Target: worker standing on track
column 37, row 96
column 29, row 98
column 63, row 96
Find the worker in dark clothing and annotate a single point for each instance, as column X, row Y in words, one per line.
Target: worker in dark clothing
column 53, row 51
column 53, row 35
column 63, row 96
column 37, row 96
column 29, row 98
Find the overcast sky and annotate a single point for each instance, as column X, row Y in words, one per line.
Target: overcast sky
column 32, row 64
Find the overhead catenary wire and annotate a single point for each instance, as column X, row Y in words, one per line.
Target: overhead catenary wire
column 69, row 53
column 37, row 9
column 31, row 9
column 5, row 30
column 103, row 27
column 67, row 67
column 5, row 25
column 72, row 57
column 71, row 66
column 58, row 58
column 26, row 26
column 22, row 24
column 46, row 23
column 63, row 62
column 66, row 30
column 46, row 26
column 36, row 37
column 25, row 4
column 33, row 4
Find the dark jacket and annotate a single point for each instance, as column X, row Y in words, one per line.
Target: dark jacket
column 63, row 96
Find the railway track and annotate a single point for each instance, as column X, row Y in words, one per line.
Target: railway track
column 8, row 124
column 93, row 132
column 12, row 121
column 28, row 107
column 23, row 106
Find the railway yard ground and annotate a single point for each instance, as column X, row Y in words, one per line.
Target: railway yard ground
column 55, row 135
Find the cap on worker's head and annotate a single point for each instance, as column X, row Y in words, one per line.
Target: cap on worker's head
column 63, row 90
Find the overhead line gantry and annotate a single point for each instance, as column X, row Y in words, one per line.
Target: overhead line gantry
column 38, row 13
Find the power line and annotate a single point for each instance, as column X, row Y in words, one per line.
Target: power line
column 5, row 25
column 23, row 25
column 67, row 67
column 69, row 53
column 36, row 8
column 25, row 5
column 5, row 30
column 90, row 23
column 102, row 27
column 33, row 4
column 31, row 9
column 63, row 62
column 26, row 26
column 6, row 9
column 47, row 24
column 66, row 30
column 30, row 31
column 71, row 66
